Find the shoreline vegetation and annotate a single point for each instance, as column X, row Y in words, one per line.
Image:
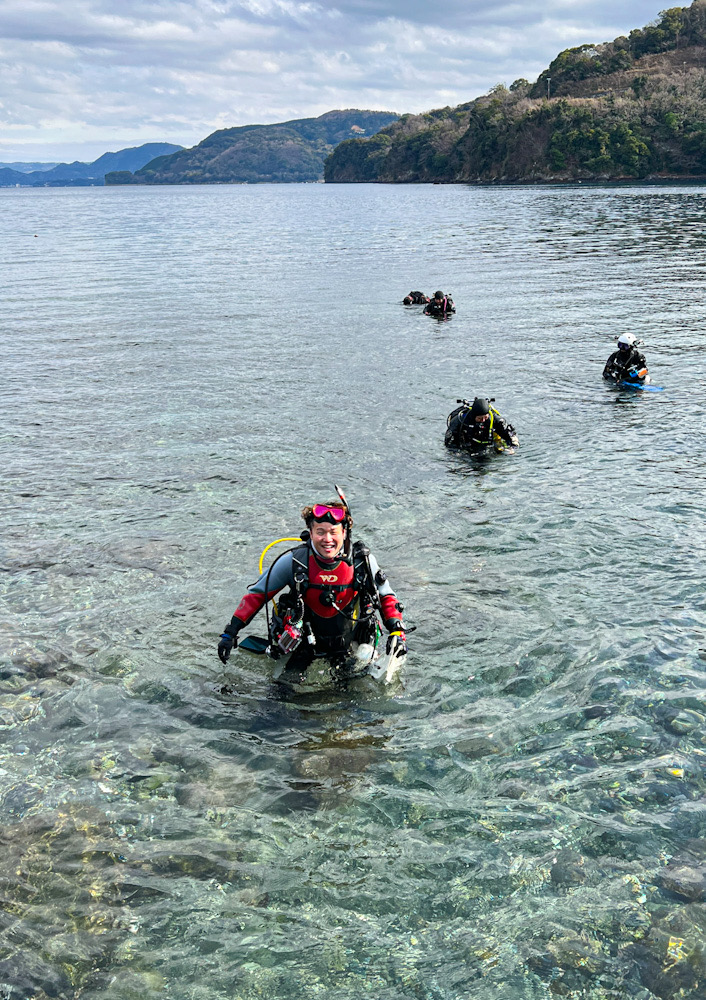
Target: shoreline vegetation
column 633, row 109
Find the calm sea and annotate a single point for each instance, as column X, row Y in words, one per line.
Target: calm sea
column 182, row 370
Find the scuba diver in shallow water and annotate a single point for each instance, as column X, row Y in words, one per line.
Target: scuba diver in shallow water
column 627, row 363
column 440, row 306
column 477, row 426
column 336, row 590
column 415, row 299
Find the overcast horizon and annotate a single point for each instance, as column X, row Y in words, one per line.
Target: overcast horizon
column 104, row 75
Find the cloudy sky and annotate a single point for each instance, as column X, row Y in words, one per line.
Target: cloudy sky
column 79, row 77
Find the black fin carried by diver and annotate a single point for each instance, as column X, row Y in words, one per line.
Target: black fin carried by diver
column 253, row 644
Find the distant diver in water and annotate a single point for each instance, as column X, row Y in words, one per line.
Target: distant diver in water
column 627, row 363
column 477, row 427
column 440, row 306
column 336, row 590
column 415, row 299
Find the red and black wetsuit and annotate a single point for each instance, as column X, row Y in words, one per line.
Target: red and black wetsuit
column 332, row 593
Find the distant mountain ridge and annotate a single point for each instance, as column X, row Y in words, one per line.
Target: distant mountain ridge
column 631, row 108
column 64, row 174
column 285, row 151
column 25, row 168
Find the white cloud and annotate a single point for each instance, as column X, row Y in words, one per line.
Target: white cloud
column 76, row 79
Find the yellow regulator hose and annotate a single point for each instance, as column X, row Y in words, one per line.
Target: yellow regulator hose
column 276, row 542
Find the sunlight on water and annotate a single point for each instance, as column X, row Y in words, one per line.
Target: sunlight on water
column 521, row 819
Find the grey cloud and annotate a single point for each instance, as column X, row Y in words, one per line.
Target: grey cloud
column 460, row 14
column 161, row 70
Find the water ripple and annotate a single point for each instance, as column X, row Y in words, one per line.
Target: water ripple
column 524, row 817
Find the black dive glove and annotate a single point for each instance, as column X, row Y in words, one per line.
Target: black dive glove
column 396, row 632
column 229, row 639
column 226, row 646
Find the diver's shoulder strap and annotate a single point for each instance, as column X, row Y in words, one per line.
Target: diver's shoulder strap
column 300, row 568
column 362, row 573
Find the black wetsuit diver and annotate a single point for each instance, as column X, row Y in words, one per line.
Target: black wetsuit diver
column 625, row 360
column 477, row 435
column 415, row 299
column 441, row 305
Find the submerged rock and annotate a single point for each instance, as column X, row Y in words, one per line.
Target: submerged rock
column 686, row 721
column 511, row 789
column 477, row 746
column 24, row 975
column 199, row 796
column 671, row 961
column 685, row 875
column 568, row 868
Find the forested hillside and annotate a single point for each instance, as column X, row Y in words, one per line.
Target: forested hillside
column 288, row 151
column 631, row 108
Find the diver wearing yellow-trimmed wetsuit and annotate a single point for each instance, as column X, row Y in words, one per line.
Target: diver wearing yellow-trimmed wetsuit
column 477, row 426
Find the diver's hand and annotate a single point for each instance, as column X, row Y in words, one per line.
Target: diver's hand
column 401, row 642
column 514, row 441
column 226, row 646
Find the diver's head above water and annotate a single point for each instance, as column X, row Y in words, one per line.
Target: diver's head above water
column 626, row 342
column 329, row 525
column 480, row 410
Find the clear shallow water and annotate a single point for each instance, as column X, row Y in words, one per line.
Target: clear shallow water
column 183, row 369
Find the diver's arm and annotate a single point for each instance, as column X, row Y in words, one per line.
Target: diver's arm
column 640, row 361
column 610, row 366
column 505, row 430
column 502, row 428
column 279, row 575
column 635, row 364
column 389, row 605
